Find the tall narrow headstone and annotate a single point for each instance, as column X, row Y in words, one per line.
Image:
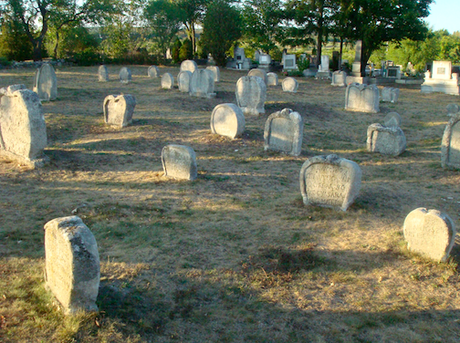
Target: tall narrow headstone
column 450, row 148
column 227, row 120
column 202, row 84
column 45, row 84
column 153, row 72
column 183, row 81
column 125, row 75
column 167, row 81
column 251, row 92
column 103, row 73
column 284, row 132
column 119, row 109
column 179, row 162
column 362, row 98
column 386, row 140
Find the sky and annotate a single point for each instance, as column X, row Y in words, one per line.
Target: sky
column 445, row 14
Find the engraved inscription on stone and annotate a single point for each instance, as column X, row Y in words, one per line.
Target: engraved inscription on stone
column 441, row 71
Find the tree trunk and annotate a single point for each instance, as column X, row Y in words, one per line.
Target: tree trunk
column 340, row 54
column 193, row 40
column 37, row 50
column 56, row 45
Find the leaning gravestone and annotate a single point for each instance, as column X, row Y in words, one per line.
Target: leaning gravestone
column 202, row 84
column 290, row 84
column 119, row 109
column 386, row 140
column 362, row 98
column 183, row 81
column 330, row 181
column 227, row 120
column 45, row 84
column 153, row 72
column 167, row 81
column 125, row 75
column 272, row 79
column 260, row 73
column 179, row 162
column 251, row 92
column 429, row 233
column 284, row 132
column 188, row 65
column 339, row 78
column 22, row 126
column 390, row 94
column 392, row 119
column 450, row 147
column 216, row 72
column 72, row 264
column 103, row 73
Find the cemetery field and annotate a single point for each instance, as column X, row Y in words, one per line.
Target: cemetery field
column 234, row 256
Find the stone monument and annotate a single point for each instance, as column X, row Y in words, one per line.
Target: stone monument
column 202, row 84
column 390, row 94
column 284, row 132
column 362, row 98
column 45, row 83
column 119, row 109
column 125, row 75
column 216, row 72
column 103, row 73
column 441, row 79
column 260, row 73
column 251, row 92
column 339, row 78
column 183, row 81
column 188, row 65
column 227, row 120
column 450, row 146
column 167, row 81
column 290, row 84
column 179, row 162
column 386, row 140
column 272, row 79
column 153, row 72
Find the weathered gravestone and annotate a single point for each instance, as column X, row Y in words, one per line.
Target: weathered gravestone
column 167, row 81
column 72, row 264
column 386, row 140
column 272, row 79
column 227, row 120
column 260, row 73
column 153, row 71
column 450, row 147
column 216, row 72
column 429, row 233
column 202, row 84
column 339, row 78
column 45, row 83
column 251, row 92
column 119, row 109
column 392, row 119
column 323, row 70
column 362, row 98
column 441, row 79
column 103, row 73
column 183, row 81
column 179, row 162
column 330, row 181
column 125, row 75
column 290, row 84
column 188, row 65
column 390, row 94
column 284, row 132
column 22, row 126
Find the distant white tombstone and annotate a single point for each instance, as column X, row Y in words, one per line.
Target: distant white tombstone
column 290, row 84
column 441, row 79
column 153, row 71
column 227, row 120
column 324, row 66
column 284, row 132
column 450, row 147
column 429, row 233
column 362, row 98
column 238, row 54
column 264, row 61
column 330, row 181
column 72, row 267
column 22, row 126
column 167, row 81
column 188, row 65
column 125, row 75
column 386, row 140
column 119, row 109
column 251, row 92
column 183, row 81
column 179, row 162
column 272, row 79
column 441, row 70
column 289, row 62
column 45, row 83
column 260, row 73
column 339, row 78
column 390, row 94
column 392, row 119
column 202, row 84
column 216, row 72
column 103, row 73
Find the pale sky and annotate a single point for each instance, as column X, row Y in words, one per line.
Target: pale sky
column 445, row 14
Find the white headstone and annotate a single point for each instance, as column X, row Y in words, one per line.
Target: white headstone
column 183, row 81
column 390, row 94
column 260, row 73
column 119, row 109
column 251, row 92
column 153, row 71
column 103, row 73
column 362, row 98
column 339, row 78
column 289, row 62
column 392, row 119
column 324, row 67
column 188, row 65
column 179, row 162
column 272, row 79
column 290, row 84
column 450, row 147
column 45, row 84
column 386, row 140
column 202, row 84
column 227, row 120
column 441, row 70
column 125, row 75
column 167, row 81
column 216, row 72
column 284, row 132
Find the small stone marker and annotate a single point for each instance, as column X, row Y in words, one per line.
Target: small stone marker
column 284, row 132
column 272, row 79
column 167, row 81
column 72, row 264
column 45, row 83
column 290, row 84
column 450, row 146
column 260, row 73
column 202, row 84
column 339, row 78
column 188, row 65
column 386, row 140
column 429, row 233
column 119, row 109
column 392, row 119
column 103, row 73
column 216, row 71
column 183, row 81
column 227, row 120
column 390, row 94
column 251, row 92
column 330, row 181
column 125, row 75
column 362, row 98
column 22, row 126
column 153, row 72
column 179, row 162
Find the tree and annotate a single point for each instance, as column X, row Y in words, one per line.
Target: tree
column 14, row 43
column 192, row 14
column 221, row 28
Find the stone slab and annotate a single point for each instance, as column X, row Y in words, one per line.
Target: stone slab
column 284, row 132
column 119, row 109
column 179, row 162
column 227, row 120
column 385, row 140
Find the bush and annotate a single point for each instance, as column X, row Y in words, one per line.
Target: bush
column 176, row 50
column 185, row 52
